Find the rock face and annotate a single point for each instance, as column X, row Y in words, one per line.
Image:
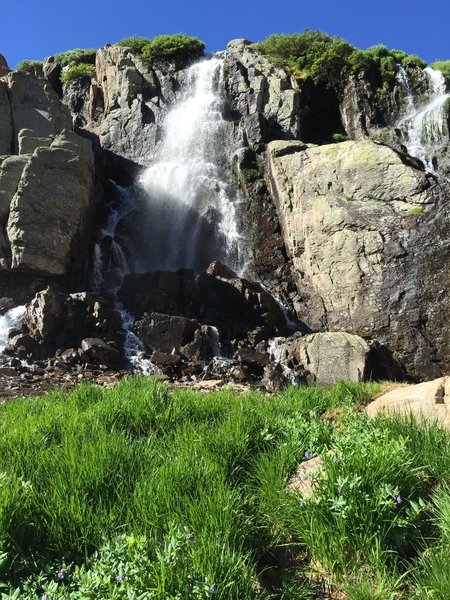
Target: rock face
column 369, row 239
column 51, row 211
column 266, row 96
column 46, row 189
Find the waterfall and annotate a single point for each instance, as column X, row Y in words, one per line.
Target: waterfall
column 423, row 129
column 189, row 186
column 7, row 322
column 109, row 268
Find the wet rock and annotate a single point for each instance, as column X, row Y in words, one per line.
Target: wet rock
column 165, row 333
column 58, row 321
column 235, row 305
column 99, row 352
column 254, row 362
column 161, row 292
column 169, row 363
column 6, row 304
column 204, row 346
column 274, row 378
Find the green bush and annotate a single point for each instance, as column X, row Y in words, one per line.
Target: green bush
column 134, row 43
column 173, row 47
column 414, row 61
column 76, row 57
column 329, row 59
column 311, row 54
column 28, row 66
column 76, row 72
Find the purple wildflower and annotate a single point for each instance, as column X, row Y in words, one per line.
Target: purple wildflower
column 399, row 499
column 45, row 597
column 302, row 504
column 213, row 589
column 120, row 578
column 61, row 575
column 339, row 490
column 189, row 538
column 308, row 455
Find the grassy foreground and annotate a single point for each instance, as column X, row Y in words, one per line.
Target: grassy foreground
column 139, row 492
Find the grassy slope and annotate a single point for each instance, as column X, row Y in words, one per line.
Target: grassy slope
column 138, row 492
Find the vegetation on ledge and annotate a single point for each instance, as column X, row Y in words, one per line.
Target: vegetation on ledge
column 28, row 66
column 165, row 47
column 76, row 72
column 139, row 491
column 328, row 59
column 444, row 67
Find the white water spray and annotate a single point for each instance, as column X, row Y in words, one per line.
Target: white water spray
column 189, row 185
column 423, row 128
column 7, row 322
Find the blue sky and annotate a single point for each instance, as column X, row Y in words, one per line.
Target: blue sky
column 33, row 29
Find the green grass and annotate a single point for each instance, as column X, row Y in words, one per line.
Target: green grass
column 142, row 492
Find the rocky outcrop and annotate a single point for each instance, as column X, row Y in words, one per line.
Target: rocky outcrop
column 33, row 105
column 124, row 105
column 50, row 213
column 4, row 69
column 46, row 189
column 265, row 95
column 369, row 239
column 55, row 321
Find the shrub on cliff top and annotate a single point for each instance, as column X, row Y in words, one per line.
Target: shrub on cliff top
column 444, row 67
column 134, row 43
column 76, row 56
column 327, row 59
column 28, row 66
column 165, row 47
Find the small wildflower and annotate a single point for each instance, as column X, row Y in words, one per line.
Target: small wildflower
column 308, row 455
column 213, row 589
column 61, row 575
column 335, row 459
column 189, row 537
column 399, row 499
column 120, row 578
column 304, row 478
column 302, row 504
column 45, row 597
column 339, row 490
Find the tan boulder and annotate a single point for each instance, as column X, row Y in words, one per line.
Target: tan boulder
column 430, row 400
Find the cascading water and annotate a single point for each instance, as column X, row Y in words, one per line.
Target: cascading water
column 187, row 217
column 423, row 129
column 191, row 197
column 7, row 322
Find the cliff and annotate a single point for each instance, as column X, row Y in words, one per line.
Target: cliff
column 353, row 236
